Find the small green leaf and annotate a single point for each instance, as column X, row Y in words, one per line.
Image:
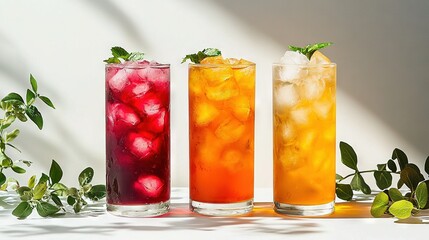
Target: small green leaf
column 55, row 172
column 400, row 184
column 5, row 160
column 379, row 205
column 401, row 157
column 43, row 179
column 39, row 190
column 381, row 167
column 18, row 169
column 358, row 183
column 338, row 177
column 35, row 116
column 7, row 122
column 32, row 181
column 77, row 207
column 33, row 83
column 98, row 192
column 86, row 176
column 60, row 189
column 12, row 135
column 46, row 209
column 427, row 189
column 119, row 52
column 22, row 190
column 73, row 192
column 348, row 156
column 136, row 56
column 71, row 200
column 23, row 210
column 27, row 163
column 30, row 97
column 395, row 195
column 422, row 195
column 56, row 199
column 199, row 56
column 2, row 178
column 401, row 209
column 13, row 97
column 391, row 165
column 47, row 101
column 427, row 165
column 344, row 192
column 383, row 179
column 411, row 176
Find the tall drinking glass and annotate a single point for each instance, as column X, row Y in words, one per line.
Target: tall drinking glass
column 221, row 128
column 138, row 138
column 304, row 138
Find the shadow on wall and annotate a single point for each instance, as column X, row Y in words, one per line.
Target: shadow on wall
column 379, row 48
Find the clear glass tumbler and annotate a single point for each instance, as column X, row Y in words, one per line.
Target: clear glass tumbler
column 304, row 112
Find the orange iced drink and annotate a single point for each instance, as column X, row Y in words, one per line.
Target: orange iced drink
column 221, row 128
column 304, row 135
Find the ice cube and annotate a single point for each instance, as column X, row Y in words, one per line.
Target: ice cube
column 312, row 88
column 230, row 130
column 149, row 185
column 223, row 91
column 323, row 108
column 118, row 81
column 240, row 107
column 294, row 69
column 156, row 123
column 120, row 117
column 288, row 156
column 245, row 78
column 149, row 103
column 135, row 90
column 196, row 81
column 292, row 57
column 285, row 96
column 288, row 132
column 143, row 144
column 307, row 139
column 300, row 116
column 204, row 113
column 207, row 147
column 231, row 158
column 217, row 75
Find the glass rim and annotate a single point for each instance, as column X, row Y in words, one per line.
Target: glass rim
column 138, row 65
column 212, row 65
column 305, row 65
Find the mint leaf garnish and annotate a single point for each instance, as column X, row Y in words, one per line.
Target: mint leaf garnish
column 310, row 49
column 199, row 56
column 120, row 53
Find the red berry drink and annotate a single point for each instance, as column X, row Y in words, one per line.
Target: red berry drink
column 138, row 138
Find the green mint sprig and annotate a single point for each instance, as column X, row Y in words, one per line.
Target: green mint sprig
column 200, row 55
column 45, row 196
column 120, row 53
column 310, row 49
column 390, row 200
column 14, row 107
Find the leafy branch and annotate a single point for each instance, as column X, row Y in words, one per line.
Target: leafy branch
column 49, row 195
column 119, row 53
column 15, row 107
column 390, row 200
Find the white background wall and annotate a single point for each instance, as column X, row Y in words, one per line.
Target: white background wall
column 380, row 48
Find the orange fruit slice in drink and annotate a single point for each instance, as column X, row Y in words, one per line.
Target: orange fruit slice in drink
column 319, row 58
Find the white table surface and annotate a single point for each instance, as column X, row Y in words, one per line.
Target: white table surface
column 350, row 221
